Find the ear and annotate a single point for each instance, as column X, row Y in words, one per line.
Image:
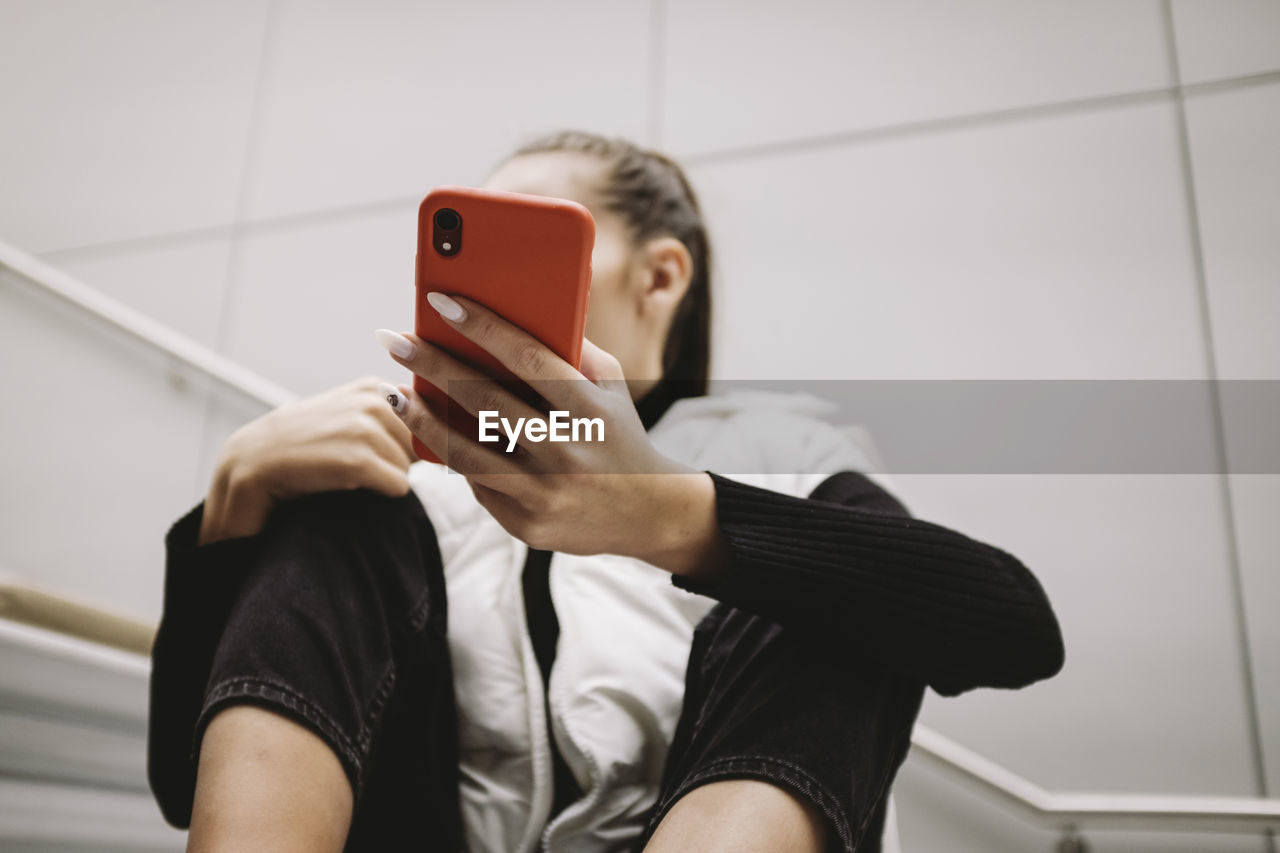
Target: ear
column 665, row 270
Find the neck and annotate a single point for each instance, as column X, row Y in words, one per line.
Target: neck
column 653, row 370
column 640, row 387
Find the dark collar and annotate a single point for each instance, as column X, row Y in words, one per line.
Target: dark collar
column 655, row 402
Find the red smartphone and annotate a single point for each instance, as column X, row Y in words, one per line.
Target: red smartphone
column 525, row 257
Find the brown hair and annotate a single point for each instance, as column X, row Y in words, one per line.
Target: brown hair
column 654, row 198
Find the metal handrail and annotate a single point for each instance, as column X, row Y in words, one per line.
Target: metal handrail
column 1071, row 811
column 1067, row 811
column 102, row 308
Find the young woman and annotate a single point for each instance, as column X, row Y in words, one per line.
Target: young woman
column 710, row 632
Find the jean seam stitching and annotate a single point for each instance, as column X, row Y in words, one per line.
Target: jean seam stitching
column 903, row 733
column 793, row 774
column 369, row 720
column 271, row 689
column 419, row 617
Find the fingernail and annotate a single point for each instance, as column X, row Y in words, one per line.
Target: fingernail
column 448, row 309
column 396, row 343
column 394, row 397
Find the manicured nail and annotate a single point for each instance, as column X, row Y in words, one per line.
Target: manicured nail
column 448, row 309
column 394, row 396
column 396, row 343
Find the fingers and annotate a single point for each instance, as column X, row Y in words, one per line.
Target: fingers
column 506, row 510
column 391, row 441
column 490, row 467
column 475, row 391
column 392, row 426
column 386, row 477
column 518, row 351
column 404, row 439
column 602, row 368
column 388, row 435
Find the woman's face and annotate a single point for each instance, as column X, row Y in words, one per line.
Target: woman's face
column 617, row 279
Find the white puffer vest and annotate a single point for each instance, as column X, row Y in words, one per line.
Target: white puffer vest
column 625, row 630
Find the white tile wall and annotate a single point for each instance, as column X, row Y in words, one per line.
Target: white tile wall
column 383, row 100
column 1055, row 247
column 99, row 456
column 1255, row 498
column 306, row 300
column 122, row 119
column 1151, row 696
column 1226, row 38
column 181, row 284
column 1234, row 138
column 749, row 72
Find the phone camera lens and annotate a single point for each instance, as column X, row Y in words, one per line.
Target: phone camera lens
column 447, row 219
column 447, row 231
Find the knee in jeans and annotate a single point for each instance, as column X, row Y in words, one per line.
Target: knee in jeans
column 352, row 535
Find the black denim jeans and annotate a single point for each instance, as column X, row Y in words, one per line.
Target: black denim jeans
column 336, row 616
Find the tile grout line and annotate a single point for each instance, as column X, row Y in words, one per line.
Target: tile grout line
column 238, row 227
column 248, row 168
column 926, row 126
column 302, row 219
column 1227, row 84
column 657, row 69
column 266, row 225
column 1252, row 721
column 944, row 124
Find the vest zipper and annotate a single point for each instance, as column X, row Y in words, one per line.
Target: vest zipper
column 556, row 691
column 540, row 747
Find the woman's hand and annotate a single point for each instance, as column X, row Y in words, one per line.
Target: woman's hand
column 343, row 438
column 617, row 495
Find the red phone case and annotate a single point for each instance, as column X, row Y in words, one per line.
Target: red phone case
column 526, row 257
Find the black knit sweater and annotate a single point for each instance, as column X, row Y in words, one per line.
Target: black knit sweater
column 850, row 564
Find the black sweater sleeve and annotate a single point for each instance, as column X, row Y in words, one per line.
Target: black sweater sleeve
column 850, row 563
